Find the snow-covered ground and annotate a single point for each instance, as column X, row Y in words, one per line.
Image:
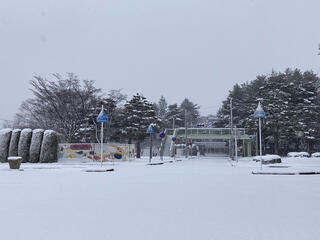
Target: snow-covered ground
column 196, row 199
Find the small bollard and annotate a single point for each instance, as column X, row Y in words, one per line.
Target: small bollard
column 14, row 162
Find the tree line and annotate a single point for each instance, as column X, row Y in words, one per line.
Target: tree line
column 291, row 102
column 70, row 106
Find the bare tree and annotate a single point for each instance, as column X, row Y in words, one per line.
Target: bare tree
column 63, row 104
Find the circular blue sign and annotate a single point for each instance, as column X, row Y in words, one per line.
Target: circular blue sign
column 162, row 135
column 174, row 139
column 117, row 155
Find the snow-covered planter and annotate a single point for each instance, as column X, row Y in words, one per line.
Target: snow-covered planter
column 298, row 154
column 49, row 148
column 24, row 144
column 268, row 159
column 14, row 142
column 316, row 154
column 5, row 135
column 35, row 146
column 14, row 162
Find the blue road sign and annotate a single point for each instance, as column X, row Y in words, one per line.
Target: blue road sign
column 117, row 155
column 150, row 129
column 162, row 135
column 174, row 139
column 259, row 113
column 102, row 117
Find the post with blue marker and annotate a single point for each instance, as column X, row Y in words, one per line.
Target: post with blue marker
column 259, row 113
column 150, row 131
column 174, row 139
column 102, row 118
column 162, row 135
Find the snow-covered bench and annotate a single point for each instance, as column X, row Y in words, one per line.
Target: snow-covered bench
column 298, row 154
column 268, row 159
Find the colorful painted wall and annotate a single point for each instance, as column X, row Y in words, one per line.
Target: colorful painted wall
column 92, row 151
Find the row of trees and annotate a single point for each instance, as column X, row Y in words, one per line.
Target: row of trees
column 291, row 102
column 179, row 115
column 70, row 106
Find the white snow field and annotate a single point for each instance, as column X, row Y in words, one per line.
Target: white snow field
column 196, row 199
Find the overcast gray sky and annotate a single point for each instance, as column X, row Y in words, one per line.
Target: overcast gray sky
column 177, row 48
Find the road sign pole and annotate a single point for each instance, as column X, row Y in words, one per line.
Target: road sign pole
column 150, row 131
column 150, row 155
column 259, row 113
column 102, row 118
column 186, row 132
column 260, row 142
column 101, row 150
column 236, row 144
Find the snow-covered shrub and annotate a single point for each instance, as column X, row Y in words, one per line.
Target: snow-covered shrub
column 35, row 146
column 24, row 144
column 298, row 154
column 5, row 135
column 49, row 148
column 316, row 154
column 268, row 159
column 14, row 142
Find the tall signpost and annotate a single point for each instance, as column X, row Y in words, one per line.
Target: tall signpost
column 174, row 139
column 150, row 131
column 102, row 118
column 259, row 113
column 236, row 144
column 162, row 135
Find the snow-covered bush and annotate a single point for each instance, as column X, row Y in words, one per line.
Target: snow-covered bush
column 268, row 159
column 5, row 135
column 316, row 154
column 298, row 154
column 49, row 148
column 35, row 146
column 14, row 142
column 24, row 144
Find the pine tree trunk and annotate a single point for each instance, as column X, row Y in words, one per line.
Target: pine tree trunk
column 138, row 149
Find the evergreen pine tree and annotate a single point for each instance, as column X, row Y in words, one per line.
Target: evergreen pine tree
column 138, row 114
